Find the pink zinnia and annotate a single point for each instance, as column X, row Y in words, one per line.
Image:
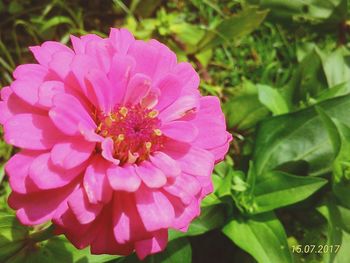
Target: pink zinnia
column 117, row 144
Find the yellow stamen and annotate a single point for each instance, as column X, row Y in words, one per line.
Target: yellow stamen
column 113, row 116
column 132, row 157
column 153, row 114
column 121, row 137
column 108, row 122
column 123, row 111
column 104, row 133
column 99, row 127
column 157, row 132
column 148, row 145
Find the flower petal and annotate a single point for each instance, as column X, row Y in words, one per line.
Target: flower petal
column 39, row 207
column 123, row 178
column 46, row 175
column 47, row 90
column 179, row 108
column 70, row 154
column 151, row 175
column 137, row 89
column 108, row 150
column 155, row 209
column 17, row 168
column 180, row 130
column 166, row 164
column 153, row 245
column 170, row 90
column 84, row 211
column 192, row 160
column 96, row 183
column 31, row 131
column 68, row 112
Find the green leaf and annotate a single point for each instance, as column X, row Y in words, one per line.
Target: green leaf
column 233, row 28
column 211, row 217
column 12, row 236
column 178, row 250
column 280, row 189
column 341, row 165
column 262, row 236
column 308, row 81
column 329, row 12
column 251, row 111
column 17, row 246
column 299, row 136
column 272, row 99
column 338, row 218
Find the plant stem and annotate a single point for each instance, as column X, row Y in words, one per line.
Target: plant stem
column 43, row 235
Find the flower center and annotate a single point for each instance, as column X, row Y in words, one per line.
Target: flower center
column 134, row 131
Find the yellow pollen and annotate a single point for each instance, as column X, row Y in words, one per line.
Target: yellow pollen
column 108, row 122
column 113, row 117
column 153, row 114
column 157, row 132
column 121, row 137
column 99, row 127
column 132, row 157
column 123, row 111
column 104, row 133
column 148, row 145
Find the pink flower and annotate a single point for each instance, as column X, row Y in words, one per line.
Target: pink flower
column 117, row 144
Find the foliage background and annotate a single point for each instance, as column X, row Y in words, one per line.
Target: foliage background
column 281, row 69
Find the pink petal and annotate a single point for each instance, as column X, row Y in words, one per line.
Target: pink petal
column 150, row 175
column 137, row 89
column 184, row 213
column 68, row 112
column 101, row 52
column 84, row 211
column 166, row 59
column 166, row 164
column 153, row 245
column 146, row 56
column 121, row 39
column 39, row 207
column 17, row 168
column 119, row 75
column 155, row 209
column 60, row 63
column 180, row 130
column 123, row 178
column 47, row 90
column 126, row 219
column 102, row 90
column 70, row 154
column 31, row 131
column 170, row 90
column 211, row 123
column 26, row 90
column 79, row 44
column 80, row 67
column 89, row 134
column 192, row 160
column 43, row 54
column 30, row 72
column 179, row 108
column 188, row 76
column 105, row 242
column 185, row 186
column 78, row 234
column 96, row 183
column 108, row 150
column 46, row 175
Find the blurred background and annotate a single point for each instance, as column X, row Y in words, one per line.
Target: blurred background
column 249, row 53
